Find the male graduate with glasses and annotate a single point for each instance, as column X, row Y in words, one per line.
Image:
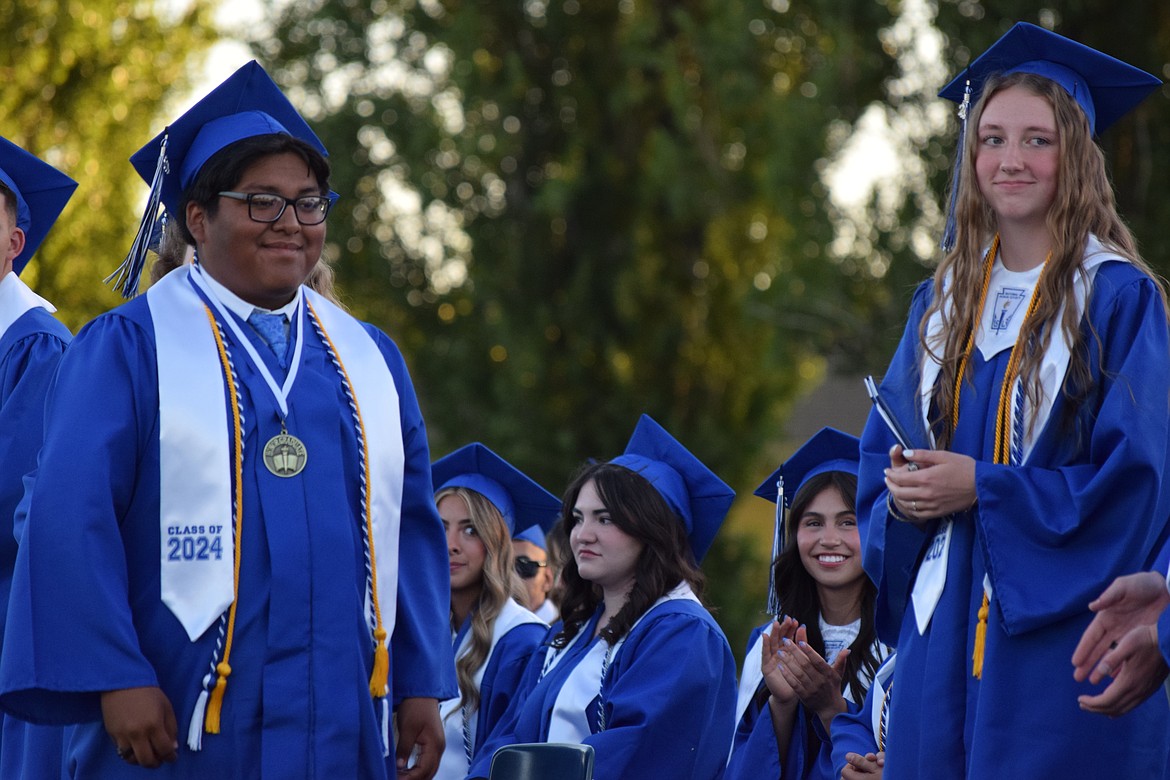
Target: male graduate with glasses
column 210, row 580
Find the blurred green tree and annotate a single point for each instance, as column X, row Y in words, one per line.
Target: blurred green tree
column 84, row 84
column 571, row 213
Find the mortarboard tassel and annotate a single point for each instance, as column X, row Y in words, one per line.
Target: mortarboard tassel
column 948, row 239
column 777, row 545
column 125, row 277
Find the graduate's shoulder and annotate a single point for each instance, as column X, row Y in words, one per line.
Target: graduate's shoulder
column 1117, row 280
column 35, row 325
column 679, row 616
column 128, row 323
column 385, row 344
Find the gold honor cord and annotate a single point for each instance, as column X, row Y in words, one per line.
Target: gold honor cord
column 222, row 669
column 381, row 673
column 1003, row 445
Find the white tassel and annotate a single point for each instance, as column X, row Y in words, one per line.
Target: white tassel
column 195, row 731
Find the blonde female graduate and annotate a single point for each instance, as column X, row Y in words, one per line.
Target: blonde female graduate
column 482, row 500
column 1033, row 372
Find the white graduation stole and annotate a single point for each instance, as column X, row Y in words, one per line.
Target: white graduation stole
column 195, row 502
column 17, row 298
column 931, row 578
column 569, row 721
column 453, row 763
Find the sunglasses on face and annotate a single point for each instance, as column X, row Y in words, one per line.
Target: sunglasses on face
column 527, row 568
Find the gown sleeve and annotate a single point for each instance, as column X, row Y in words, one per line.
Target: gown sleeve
column 1097, row 505
column 72, row 547
column 892, row 548
column 670, row 705
column 509, row 728
column 27, row 369
column 422, row 661
column 503, row 676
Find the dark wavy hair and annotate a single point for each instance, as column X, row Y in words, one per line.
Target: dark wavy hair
column 224, row 169
column 796, row 590
column 639, row 510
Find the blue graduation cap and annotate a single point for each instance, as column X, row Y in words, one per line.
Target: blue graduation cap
column 248, row 103
column 41, row 194
column 535, row 534
column 522, row 503
column 1104, row 87
column 692, row 490
column 828, row 450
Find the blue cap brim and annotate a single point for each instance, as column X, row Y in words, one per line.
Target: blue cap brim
column 1105, row 87
column 41, row 194
column 246, row 104
column 828, row 450
column 521, row 501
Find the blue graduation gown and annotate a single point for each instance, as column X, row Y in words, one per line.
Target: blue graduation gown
column 853, row 731
column 1089, row 504
column 86, row 616
column 669, row 703
column 754, row 753
column 30, row 350
column 502, row 673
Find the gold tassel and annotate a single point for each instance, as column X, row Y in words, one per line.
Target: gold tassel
column 980, row 639
column 215, row 703
column 381, row 672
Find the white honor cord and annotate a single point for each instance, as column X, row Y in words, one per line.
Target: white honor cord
column 280, row 393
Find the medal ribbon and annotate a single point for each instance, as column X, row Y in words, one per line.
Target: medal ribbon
column 279, row 392
column 1003, row 419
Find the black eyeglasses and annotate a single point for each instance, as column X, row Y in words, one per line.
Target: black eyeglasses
column 269, row 207
column 527, row 568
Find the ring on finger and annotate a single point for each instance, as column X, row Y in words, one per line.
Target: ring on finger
column 125, row 752
column 914, row 505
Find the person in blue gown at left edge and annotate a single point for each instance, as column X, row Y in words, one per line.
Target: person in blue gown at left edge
column 210, row 568
column 637, row 668
column 32, row 195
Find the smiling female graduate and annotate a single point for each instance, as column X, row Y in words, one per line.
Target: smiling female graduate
column 1036, row 363
column 210, row 574
column 483, row 500
column 637, row 668
column 817, row 660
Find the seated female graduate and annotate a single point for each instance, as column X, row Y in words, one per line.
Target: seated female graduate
column 637, row 668
column 859, row 738
column 818, row 661
column 482, row 500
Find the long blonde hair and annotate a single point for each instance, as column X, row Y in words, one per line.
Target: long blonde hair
column 500, row 583
column 1084, row 203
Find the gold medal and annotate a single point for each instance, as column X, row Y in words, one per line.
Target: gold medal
column 285, row 454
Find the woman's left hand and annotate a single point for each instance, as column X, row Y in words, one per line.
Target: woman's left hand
column 816, row 683
column 925, row 484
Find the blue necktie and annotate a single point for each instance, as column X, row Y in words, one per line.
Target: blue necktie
column 272, row 329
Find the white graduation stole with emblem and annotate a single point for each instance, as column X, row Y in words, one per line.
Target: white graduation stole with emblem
column 195, row 502
column 931, row 578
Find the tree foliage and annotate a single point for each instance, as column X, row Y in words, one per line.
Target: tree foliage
column 84, row 81
column 569, row 213
column 617, row 208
